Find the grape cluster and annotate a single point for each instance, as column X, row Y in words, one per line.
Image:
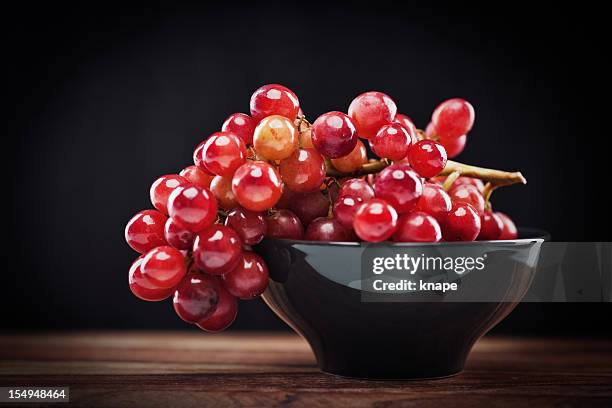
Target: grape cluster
column 274, row 174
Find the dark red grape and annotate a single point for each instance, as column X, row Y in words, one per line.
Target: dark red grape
column 327, row 229
column 249, row 279
column 309, row 206
column 196, row 297
column 224, row 314
column 345, row 209
column 284, row 224
column 250, row 226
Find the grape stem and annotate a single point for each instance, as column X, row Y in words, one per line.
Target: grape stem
column 497, row 178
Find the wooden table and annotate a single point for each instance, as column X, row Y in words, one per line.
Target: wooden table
column 153, row 369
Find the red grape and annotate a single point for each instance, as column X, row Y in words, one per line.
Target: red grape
column 249, row 279
column 303, row 171
column 345, row 209
column 250, row 226
column 461, row 224
column 177, row 236
column 334, row 135
column 453, row 118
column 145, row 230
column 275, row 138
column 225, row 313
column 223, row 153
column 287, row 197
column 370, row 111
column 417, row 227
column 409, row 125
column 197, row 158
column 196, row 297
column 161, row 189
column 400, row 186
column 392, row 141
column 375, row 220
column 358, row 188
column 284, row 224
column 193, row 207
column 428, row 158
column 195, row 175
column 434, row 201
column 352, row 161
column 274, row 99
column 164, row 266
column 469, row 194
column 491, row 226
column 308, row 206
column 509, row 230
column 257, row 186
column 240, row 124
column 142, row 288
column 454, row 146
column 221, row 187
column 326, row 229
column 217, row 249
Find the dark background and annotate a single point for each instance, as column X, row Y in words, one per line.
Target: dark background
column 109, row 97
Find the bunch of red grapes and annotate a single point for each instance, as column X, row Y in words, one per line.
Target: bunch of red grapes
column 273, row 174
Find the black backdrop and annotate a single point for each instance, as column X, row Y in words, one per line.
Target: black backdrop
column 107, row 98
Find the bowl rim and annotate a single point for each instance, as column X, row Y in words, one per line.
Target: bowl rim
column 533, row 235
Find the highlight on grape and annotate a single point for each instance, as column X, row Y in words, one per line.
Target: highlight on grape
column 273, row 174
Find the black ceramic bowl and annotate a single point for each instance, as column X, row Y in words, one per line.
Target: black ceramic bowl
column 315, row 288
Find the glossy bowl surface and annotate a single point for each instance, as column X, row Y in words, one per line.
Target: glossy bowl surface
column 315, row 289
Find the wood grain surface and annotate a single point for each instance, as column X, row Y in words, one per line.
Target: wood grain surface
column 175, row 369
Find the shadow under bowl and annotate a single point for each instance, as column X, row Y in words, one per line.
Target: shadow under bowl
column 313, row 289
